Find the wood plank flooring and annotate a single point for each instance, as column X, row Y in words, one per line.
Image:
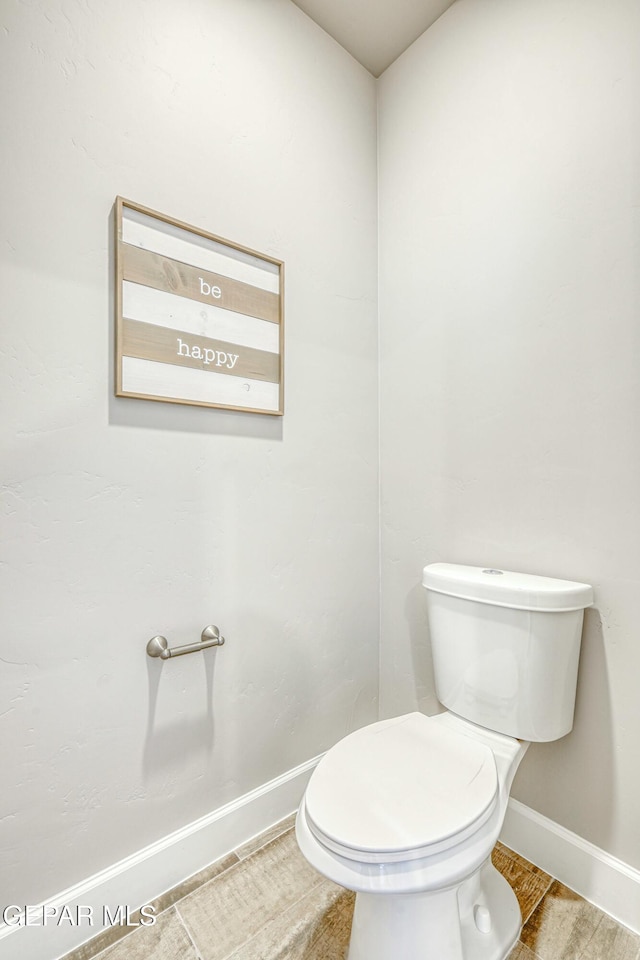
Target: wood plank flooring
column 264, row 902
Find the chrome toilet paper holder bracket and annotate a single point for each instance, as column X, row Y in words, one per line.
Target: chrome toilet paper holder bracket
column 159, row 646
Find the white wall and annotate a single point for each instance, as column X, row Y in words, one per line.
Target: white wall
column 509, row 196
column 127, row 518
column 510, row 356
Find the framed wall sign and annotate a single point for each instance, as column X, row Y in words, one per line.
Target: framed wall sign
column 199, row 320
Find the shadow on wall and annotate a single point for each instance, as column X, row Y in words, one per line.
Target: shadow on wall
column 167, row 746
column 415, row 611
column 152, row 415
column 547, row 778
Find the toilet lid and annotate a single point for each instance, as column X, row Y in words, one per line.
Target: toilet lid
column 395, row 788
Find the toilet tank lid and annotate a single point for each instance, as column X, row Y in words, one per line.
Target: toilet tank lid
column 503, row 588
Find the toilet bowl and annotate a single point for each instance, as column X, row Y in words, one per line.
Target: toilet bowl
column 419, row 808
column 406, row 811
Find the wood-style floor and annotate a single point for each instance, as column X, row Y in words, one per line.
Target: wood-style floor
column 264, row 902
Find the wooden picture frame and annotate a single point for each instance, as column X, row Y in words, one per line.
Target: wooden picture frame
column 199, row 320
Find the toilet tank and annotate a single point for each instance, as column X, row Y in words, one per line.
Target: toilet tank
column 506, row 647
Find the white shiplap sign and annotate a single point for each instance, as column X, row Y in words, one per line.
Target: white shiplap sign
column 199, row 320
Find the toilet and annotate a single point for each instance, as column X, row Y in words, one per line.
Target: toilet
column 406, row 811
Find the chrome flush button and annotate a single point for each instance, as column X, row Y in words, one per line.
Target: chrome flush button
column 494, row 573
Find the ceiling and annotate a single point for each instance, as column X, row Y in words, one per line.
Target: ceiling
column 375, row 32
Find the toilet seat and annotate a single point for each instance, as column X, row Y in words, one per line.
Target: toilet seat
column 399, row 790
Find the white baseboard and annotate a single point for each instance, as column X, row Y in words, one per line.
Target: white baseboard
column 608, row 883
column 157, row 868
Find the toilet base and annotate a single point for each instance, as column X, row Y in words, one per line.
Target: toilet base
column 440, row 925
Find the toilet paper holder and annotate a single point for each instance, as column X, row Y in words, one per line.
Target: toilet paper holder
column 159, row 646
